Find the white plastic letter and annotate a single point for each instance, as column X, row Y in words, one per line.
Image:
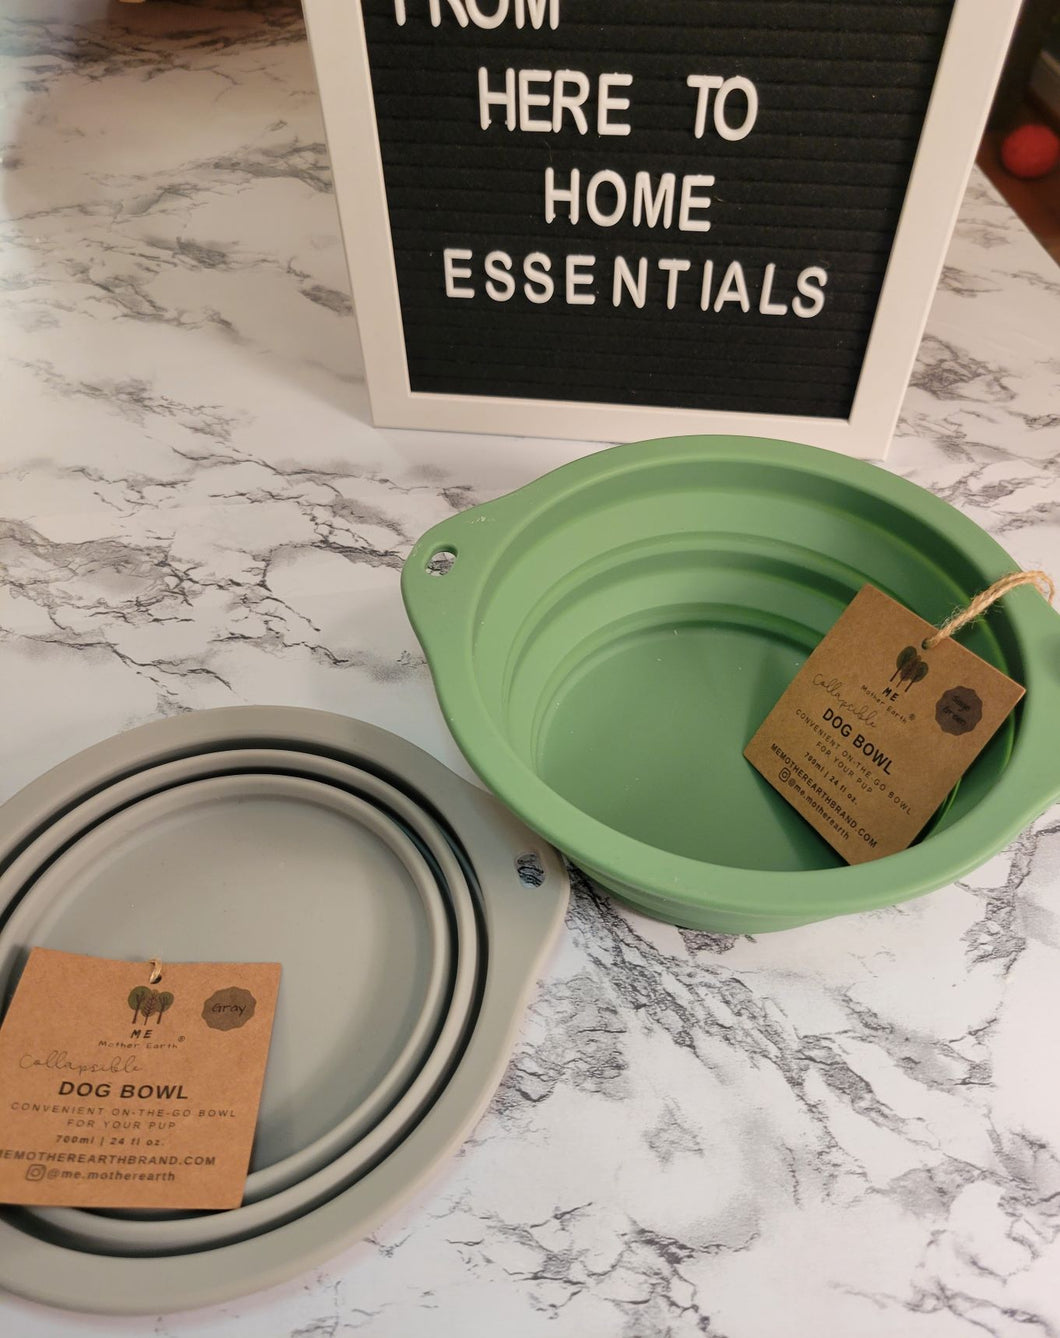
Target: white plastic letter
column 721, row 125
column 733, row 288
column 455, row 5
column 704, row 83
column 765, row 304
column 528, row 99
column 672, row 269
column 577, row 278
column 536, row 10
column 450, row 256
column 651, row 207
column 607, row 103
column 592, row 207
column 708, row 279
column 487, row 20
column 690, row 200
column 500, row 285
column 805, row 284
column 638, row 290
column 567, row 102
column 571, row 195
column 539, row 286
column 487, row 98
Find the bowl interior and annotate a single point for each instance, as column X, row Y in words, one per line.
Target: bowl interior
column 633, row 636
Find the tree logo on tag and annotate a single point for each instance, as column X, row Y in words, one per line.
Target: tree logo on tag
column 958, row 711
column 909, row 668
column 147, row 1003
column 227, row 1009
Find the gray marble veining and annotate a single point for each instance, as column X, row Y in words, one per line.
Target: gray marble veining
column 851, row 1129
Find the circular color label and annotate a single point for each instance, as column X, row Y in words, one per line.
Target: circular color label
column 958, row 710
column 227, row 1009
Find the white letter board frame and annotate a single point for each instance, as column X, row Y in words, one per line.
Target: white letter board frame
column 972, row 55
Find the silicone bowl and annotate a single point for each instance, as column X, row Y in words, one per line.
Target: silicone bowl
column 517, row 887
column 608, row 638
column 281, row 1130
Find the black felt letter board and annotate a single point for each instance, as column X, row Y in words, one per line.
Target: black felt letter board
column 810, row 115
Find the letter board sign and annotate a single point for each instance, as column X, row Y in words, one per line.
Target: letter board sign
column 614, row 218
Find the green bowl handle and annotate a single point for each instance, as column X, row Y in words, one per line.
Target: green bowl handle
column 436, row 593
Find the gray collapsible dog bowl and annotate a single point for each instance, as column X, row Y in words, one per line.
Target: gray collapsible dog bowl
column 328, row 844
column 305, row 1138
column 385, row 996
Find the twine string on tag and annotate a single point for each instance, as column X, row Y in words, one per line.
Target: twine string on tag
column 155, row 974
column 1040, row 579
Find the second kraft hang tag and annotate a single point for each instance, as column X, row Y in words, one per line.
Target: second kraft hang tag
column 875, row 730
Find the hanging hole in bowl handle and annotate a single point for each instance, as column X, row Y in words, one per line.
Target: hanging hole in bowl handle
column 441, row 563
column 530, row 869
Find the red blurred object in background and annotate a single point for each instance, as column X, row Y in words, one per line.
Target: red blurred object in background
column 1031, row 151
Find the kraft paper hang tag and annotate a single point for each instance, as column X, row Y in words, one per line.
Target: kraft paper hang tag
column 120, row 1093
column 875, row 730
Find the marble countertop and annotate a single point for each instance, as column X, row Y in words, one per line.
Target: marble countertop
column 851, row 1129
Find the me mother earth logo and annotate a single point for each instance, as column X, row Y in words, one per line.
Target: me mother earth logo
column 147, row 1003
column 909, row 669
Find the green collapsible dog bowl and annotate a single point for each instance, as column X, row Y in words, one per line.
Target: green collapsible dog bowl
column 607, row 639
